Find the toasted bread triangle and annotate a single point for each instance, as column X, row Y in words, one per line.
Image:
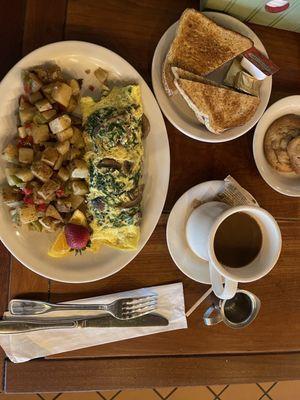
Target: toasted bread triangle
column 201, row 46
column 217, row 107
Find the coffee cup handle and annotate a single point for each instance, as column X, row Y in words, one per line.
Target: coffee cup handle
column 212, row 320
column 223, row 292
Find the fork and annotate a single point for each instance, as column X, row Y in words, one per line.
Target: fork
column 127, row 308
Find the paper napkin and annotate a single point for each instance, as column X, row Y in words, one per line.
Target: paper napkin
column 26, row 346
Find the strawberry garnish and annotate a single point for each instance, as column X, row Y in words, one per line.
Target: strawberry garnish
column 41, row 207
column 28, row 200
column 77, row 236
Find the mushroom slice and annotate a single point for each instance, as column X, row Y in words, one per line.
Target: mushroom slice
column 109, row 163
column 135, row 199
column 145, row 126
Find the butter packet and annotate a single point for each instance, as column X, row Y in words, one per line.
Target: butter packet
column 247, row 83
column 232, row 72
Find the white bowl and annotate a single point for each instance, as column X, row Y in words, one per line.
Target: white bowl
column 176, row 109
column 285, row 183
column 30, row 248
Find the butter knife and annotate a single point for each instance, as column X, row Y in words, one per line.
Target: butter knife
column 20, row 326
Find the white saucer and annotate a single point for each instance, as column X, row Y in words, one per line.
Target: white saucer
column 194, row 267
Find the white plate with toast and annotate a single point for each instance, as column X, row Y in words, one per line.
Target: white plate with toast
column 30, row 248
column 287, row 183
column 176, row 108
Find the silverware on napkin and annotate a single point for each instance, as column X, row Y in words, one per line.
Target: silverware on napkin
column 107, row 321
column 122, row 309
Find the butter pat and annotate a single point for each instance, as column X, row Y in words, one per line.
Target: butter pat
column 252, row 69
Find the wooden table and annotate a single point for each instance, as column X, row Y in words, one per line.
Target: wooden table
column 267, row 350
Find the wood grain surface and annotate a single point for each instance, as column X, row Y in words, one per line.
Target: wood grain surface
column 199, row 354
column 121, row 373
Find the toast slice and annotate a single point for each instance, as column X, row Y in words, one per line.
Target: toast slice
column 219, row 108
column 201, row 46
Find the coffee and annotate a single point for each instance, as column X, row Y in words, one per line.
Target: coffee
column 238, row 240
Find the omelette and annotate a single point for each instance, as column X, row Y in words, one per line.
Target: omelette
column 114, row 155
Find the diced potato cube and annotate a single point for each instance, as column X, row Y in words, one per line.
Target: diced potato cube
column 47, row 90
column 10, row 172
column 76, row 201
column 24, row 174
column 38, row 119
column 22, row 132
column 60, row 123
column 27, row 114
column 63, row 174
column 48, row 189
column 50, row 156
column 43, row 105
column 49, row 224
column 101, row 75
column 11, row 153
column 77, row 138
column 64, row 135
column 11, row 197
column 34, row 97
column 64, row 205
column 49, row 114
column 59, row 162
column 48, row 73
column 23, row 103
column 80, row 187
column 40, row 133
column 72, row 105
column 31, row 82
column 61, row 93
column 63, row 147
column 41, row 170
column 74, row 153
column 75, row 86
column 79, row 169
column 25, row 155
column 52, row 212
column 28, row 214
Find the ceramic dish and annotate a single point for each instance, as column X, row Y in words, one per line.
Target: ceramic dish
column 30, row 248
column 285, row 183
column 175, row 107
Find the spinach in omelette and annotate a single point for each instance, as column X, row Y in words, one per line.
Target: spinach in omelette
column 114, row 154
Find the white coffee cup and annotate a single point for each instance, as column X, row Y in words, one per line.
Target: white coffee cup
column 201, row 228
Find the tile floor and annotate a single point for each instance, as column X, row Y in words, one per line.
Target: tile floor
column 289, row 390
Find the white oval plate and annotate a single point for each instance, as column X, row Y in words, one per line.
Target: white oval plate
column 285, row 183
column 175, row 107
column 186, row 260
column 31, row 247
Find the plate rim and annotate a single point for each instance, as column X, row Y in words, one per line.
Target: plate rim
column 155, row 85
column 257, row 134
column 167, row 156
